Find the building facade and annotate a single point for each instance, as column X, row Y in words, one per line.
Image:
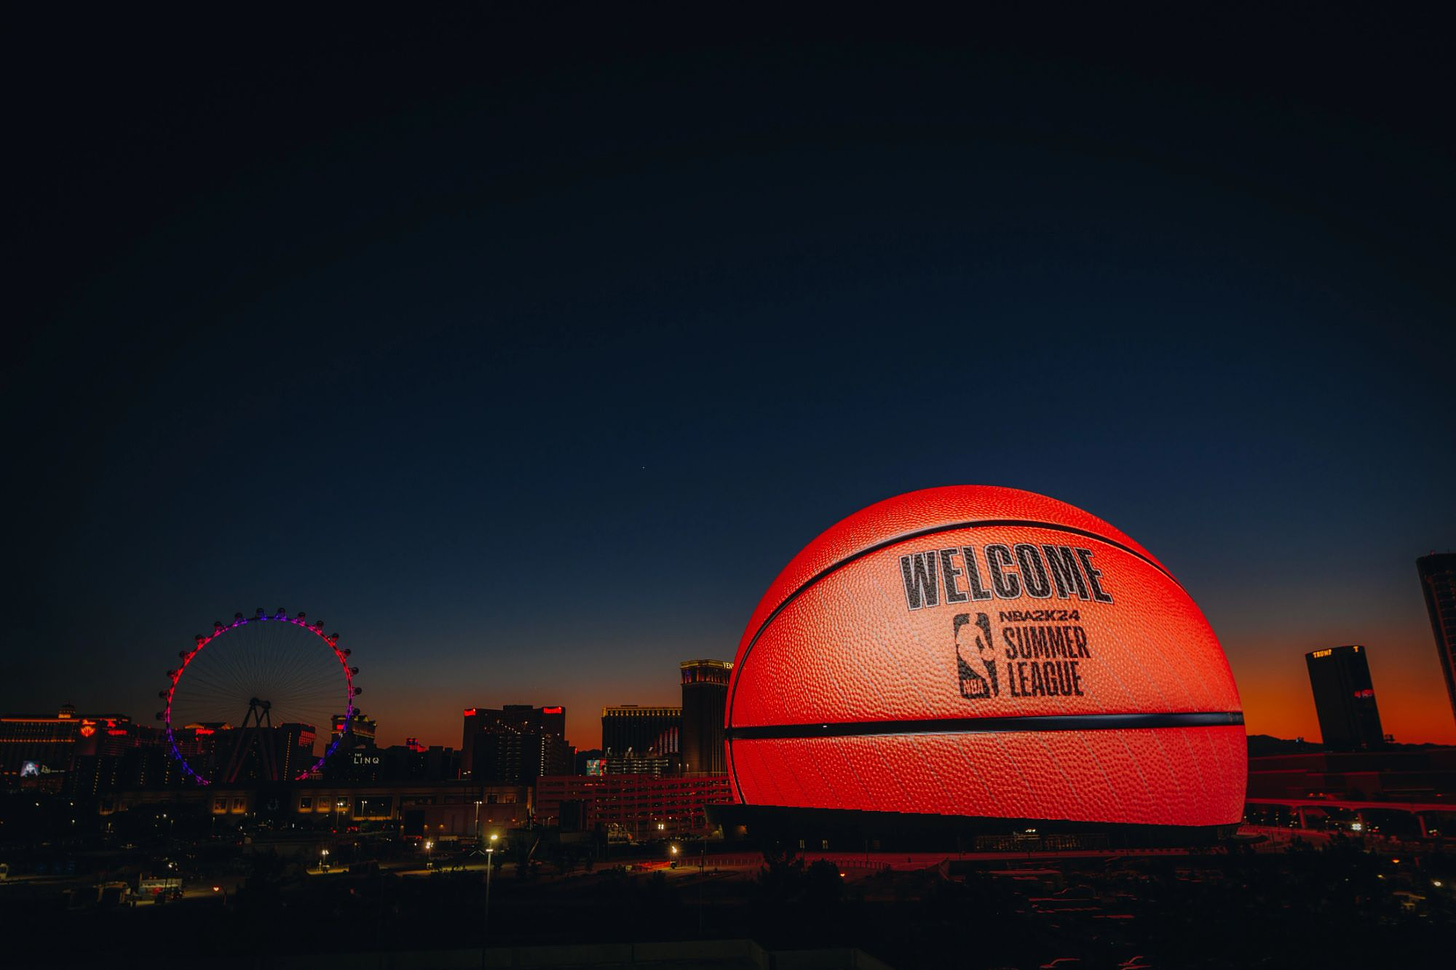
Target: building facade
column 635, row 807
column 448, row 810
column 356, row 756
column 656, row 765
column 1438, row 584
column 359, row 731
column 641, row 731
column 514, row 745
column 45, row 746
column 1397, row 773
column 704, row 701
column 1344, row 698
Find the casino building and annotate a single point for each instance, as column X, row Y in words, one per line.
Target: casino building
column 704, row 700
column 633, row 736
column 30, row 742
column 41, row 749
column 980, row 667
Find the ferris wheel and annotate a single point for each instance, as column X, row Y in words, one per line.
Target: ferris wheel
column 283, row 676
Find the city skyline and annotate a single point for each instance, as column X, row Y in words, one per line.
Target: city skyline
column 1291, row 714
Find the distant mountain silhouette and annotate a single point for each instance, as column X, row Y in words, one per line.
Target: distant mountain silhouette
column 1262, row 745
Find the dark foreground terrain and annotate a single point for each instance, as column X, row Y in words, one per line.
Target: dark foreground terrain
column 1340, row 904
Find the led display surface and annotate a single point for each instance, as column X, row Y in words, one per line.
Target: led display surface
column 984, row 651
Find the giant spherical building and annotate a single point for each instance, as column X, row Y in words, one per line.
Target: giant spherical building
column 985, row 653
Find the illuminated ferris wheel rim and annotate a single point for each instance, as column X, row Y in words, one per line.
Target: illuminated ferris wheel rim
column 220, row 629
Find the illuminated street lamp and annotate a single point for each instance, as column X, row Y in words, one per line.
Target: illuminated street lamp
column 429, row 856
column 323, row 860
column 489, row 852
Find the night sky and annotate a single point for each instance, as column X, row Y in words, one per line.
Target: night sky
column 525, row 353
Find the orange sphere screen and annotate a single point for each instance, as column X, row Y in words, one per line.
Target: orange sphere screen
column 985, row 652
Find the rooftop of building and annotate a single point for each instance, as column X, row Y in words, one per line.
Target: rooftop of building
column 1331, row 651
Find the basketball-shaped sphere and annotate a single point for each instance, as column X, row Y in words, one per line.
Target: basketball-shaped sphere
column 989, row 652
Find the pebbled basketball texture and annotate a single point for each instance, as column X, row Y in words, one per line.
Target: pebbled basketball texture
column 990, row 652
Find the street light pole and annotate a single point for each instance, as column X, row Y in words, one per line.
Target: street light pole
column 702, row 876
column 489, row 860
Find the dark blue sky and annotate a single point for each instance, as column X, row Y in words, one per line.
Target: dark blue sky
column 526, row 354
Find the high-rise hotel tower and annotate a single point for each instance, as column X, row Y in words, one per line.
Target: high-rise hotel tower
column 1438, row 582
column 704, row 700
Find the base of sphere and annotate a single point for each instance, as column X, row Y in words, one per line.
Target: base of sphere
column 848, row 830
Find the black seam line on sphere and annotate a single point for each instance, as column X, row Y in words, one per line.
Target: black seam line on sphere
column 985, row 725
column 833, row 567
